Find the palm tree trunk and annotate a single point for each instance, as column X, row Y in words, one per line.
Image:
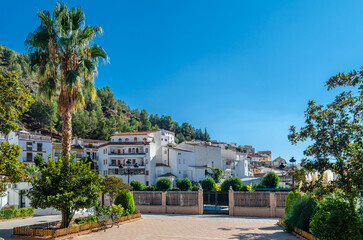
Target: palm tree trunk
column 66, row 134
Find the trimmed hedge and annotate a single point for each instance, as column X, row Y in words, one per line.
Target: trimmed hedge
column 208, row 184
column 184, row 184
column 126, row 201
column 290, row 199
column 137, row 185
column 236, row 183
column 163, row 184
column 270, row 180
column 9, row 213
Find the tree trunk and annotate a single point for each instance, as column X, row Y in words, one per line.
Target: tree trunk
column 66, row 134
column 66, row 217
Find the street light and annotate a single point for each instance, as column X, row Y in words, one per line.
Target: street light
column 127, row 169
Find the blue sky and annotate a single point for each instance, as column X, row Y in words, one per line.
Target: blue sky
column 243, row 69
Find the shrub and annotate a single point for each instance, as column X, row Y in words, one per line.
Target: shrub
column 290, row 198
column 196, row 187
column 336, row 218
column 38, row 160
column 9, row 207
column 126, row 200
column 184, row 184
column 208, row 184
column 103, row 211
column 150, row 188
column 300, row 213
column 270, row 180
column 175, row 189
column 163, row 184
column 137, row 185
column 6, row 213
column 235, row 182
column 84, row 220
column 118, row 211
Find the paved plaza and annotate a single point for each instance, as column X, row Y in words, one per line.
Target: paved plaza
column 178, row 227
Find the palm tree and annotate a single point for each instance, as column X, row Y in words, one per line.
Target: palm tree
column 62, row 52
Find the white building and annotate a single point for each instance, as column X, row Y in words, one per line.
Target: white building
column 142, row 156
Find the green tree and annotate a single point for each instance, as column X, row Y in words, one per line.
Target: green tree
column 11, row 169
column 335, row 134
column 215, row 173
column 38, row 160
column 184, row 184
column 270, row 180
column 143, row 115
column 66, row 60
column 66, row 185
column 113, row 186
column 208, row 184
column 126, row 200
column 44, row 113
column 15, row 99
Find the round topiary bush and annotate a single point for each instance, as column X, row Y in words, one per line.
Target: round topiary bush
column 235, row 182
column 270, row 180
column 126, row 200
column 336, row 218
column 208, row 184
column 184, row 184
column 163, row 184
column 290, row 199
column 137, row 185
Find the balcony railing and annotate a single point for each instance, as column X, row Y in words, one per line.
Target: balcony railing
column 34, row 137
column 126, row 154
column 124, row 165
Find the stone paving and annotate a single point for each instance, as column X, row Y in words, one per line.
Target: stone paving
column 178, row 227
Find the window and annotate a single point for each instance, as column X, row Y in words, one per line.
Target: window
column 179, row 161
column 29, row 146
column 126, row 139
column 144, row 139
column 133, row 161
column 179, row 153
column 133, row 150
column 135, row 139
column 147, row 172
column 146, row 161
column 146, row 150
column 147, row 183
column 29, row 157
column 116, row 171
column 166, row 151
column 39, row 147
column 183, row 161
column 129, row 150
column 137, row 150
column 120, row 140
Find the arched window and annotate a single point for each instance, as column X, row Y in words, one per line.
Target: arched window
column 144, row 139
column 137, row 150
column 129, row 150
column 120, row 140
column 135, row 139
column 126, row 139
column 133, row 150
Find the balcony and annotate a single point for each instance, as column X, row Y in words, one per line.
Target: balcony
column 126, row 154
column 124, row 165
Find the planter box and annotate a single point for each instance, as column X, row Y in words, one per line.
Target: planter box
column 300, row 232
column 37, row 231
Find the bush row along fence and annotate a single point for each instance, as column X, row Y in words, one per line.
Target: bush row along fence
column 258, row 204
column 169, row 202
column 16, row 213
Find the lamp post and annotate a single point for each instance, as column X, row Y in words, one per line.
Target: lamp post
column 292, row 161
column 127, row 169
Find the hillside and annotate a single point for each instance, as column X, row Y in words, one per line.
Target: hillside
column 98, row 119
